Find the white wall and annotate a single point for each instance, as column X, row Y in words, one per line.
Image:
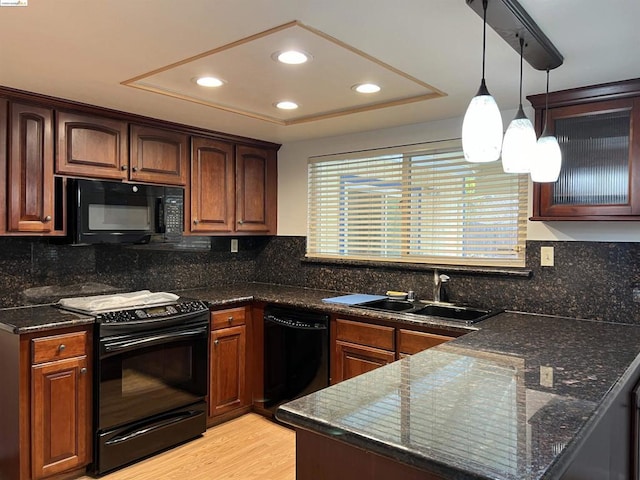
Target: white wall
column 292, row 180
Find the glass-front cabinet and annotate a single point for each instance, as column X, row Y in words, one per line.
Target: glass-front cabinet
column 598, row 129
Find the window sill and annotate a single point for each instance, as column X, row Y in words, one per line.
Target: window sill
column 475, row 270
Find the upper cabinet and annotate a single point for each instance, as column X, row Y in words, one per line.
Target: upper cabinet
column 233, row 189
column 598, row 129
column 91, row 146
column 212, row 186
column 158, row 155
column 30, row 192
column 256, row 190
column 4, row 112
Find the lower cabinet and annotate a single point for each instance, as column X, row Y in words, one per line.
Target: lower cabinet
column 46, row 422
column 361, row 346
column 229, row 385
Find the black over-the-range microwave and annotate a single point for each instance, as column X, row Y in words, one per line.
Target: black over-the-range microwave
column 114, row 212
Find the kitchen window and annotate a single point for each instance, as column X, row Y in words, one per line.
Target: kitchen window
column 420, row 203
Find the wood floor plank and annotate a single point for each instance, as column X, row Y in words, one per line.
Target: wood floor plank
column 246, row 448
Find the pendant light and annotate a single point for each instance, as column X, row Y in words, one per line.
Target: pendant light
column 482, row 124
column 519, row 145
column 548, row 157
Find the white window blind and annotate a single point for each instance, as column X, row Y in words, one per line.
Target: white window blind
column 421, row 204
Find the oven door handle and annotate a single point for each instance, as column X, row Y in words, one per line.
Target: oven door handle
column 124, row 345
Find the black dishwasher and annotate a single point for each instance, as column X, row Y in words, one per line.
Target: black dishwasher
column 296, row 354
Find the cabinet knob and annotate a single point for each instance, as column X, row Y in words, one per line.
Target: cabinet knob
column 135, row 169
column 124, row 167
column 216, row 341
column 47, row 218
column 62, row 347
column 196, row 221
column 230, row 319
column 83, row 370
column 240, row 222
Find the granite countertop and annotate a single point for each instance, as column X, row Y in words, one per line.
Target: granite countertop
column 45, row 317
column 474, row 408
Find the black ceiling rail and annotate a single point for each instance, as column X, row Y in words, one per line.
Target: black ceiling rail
column 511, row 22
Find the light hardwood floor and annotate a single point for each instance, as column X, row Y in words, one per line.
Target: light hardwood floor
column 246, row 448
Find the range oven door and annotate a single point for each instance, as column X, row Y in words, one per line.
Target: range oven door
column 148, row 373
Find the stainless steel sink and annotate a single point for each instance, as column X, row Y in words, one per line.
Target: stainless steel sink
column 458, row 313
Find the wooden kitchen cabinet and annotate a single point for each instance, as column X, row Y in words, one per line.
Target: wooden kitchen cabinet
column 30, row 189
column 360, row 347
column 598, row 129
column 411, row 341
column 229, row 385
column 158, row 155
column 91, row 146
column 233, row 188
column 256, row 190
column 46, row 415
column 4, row 128
column 212, row 186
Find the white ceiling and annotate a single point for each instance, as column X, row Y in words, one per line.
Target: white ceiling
column 84, row 49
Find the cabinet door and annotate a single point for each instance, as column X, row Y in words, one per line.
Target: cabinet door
column 212, row 186
column 158, row 156
column 600, row 174
column 91, row 146
column 256, row 190
column 30, row 192
column 4, row 109
column 352, row 360
column 228, row 370
column 60, row 416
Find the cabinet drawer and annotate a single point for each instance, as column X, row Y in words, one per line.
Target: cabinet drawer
column 365, row 334
column 229, row 317
column 58, row 347
column 411, row 342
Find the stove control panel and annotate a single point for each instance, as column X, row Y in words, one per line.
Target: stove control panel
column 151, row 313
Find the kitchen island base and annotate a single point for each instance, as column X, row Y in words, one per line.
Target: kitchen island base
column 319, row 457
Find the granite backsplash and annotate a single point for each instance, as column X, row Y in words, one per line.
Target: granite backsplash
column 595, row 280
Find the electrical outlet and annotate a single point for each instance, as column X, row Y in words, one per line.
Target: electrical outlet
column 234, row 245
column 546, row 256
column 546, row 376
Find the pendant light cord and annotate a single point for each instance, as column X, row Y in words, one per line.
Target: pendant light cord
column 484, row 34
column 546, row 108
column 521, row 53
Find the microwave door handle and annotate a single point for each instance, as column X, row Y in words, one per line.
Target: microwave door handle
column 124, row 345
column 160, row 224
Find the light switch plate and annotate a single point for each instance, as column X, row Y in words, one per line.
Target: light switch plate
column 234, row 245
column 546, row 256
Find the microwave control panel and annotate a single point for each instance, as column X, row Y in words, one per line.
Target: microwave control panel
column 173, row 214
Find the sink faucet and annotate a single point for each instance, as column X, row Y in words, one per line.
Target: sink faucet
column 439, row 291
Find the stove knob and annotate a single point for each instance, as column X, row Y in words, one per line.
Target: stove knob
column 141, row 313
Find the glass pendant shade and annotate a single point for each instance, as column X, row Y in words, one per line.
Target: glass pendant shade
column 482, row 128
column 519, row 145
column 548, row 160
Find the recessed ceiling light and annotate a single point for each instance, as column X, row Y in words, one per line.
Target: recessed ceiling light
column 366, row 88
column 286, row 105
column 208, row 81
column 292, row 57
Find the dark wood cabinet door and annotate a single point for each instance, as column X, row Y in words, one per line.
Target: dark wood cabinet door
column 91, row 146
column 256, row 190
column 212, row 186
column 352, row 360
column 228, row 389
column 60, row 416
column 4, row 128
column 158, row 156
column 410, row 341
column 30, row 193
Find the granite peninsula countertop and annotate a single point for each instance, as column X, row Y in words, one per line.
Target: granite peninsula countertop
column 474, row 408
